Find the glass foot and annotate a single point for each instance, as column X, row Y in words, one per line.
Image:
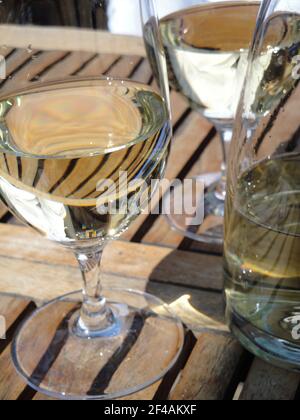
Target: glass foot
column 136, row 352
column 277, row 351
column 210, row 228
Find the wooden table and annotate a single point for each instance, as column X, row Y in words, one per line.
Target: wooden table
column 150, row 256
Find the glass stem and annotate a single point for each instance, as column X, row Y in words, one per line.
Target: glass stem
column 225, row 134
column 95, row 317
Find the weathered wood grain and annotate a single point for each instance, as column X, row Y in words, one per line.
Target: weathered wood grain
column 209, row 369
column 198, row 309
column 99, row 65
column 125, row 66
column 70, row 39
column 143, row 74
column 42, row 397
column 67, row 66
column 3, row 210
column 33, row 267
column 11, row 308
column 33, row 66
column 161, row 232
column 17, row 60
column 11, row 384
column 183, row 149
column 149, row 262
column 5, row 51
column 266, row 382
column 15, row 385
column 144, row 395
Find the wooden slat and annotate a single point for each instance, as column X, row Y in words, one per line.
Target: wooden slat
column 165, row 265
column 70, row 39
column 143, row 74
column 98, row 66
column 55, row 64
column 209, row 370
column 178, row 107
column 161, row 233
column 209, row 162
column 11, row 308
column 266, row 382
column 144, row 395
column 125, row 374
column 147, row 394
column 31, row 70
column 42, row 397
column 203, row 310
column 124, row 67
column 146, row 262
column 3, row 211
column 183, row 148
column 198, row 309
column 17, row 60
column 66, row 67
column 5, row 51
column 12, row 384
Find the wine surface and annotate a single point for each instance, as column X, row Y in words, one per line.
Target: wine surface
column 63, row 147
column 207, row 48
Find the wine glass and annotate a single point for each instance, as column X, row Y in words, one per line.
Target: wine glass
column 262, row 229
column 206, row 45
column 84, row 142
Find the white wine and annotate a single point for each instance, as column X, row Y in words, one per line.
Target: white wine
column 262, row 239
column 63, row 147
column 262, row 247
column 262, row 223
column 207, row 49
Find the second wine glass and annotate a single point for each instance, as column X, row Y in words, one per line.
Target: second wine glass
column 206, row 46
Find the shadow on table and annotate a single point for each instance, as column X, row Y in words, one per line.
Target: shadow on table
column 188, row 292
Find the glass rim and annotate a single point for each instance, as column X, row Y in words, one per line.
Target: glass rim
column 39, row 87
